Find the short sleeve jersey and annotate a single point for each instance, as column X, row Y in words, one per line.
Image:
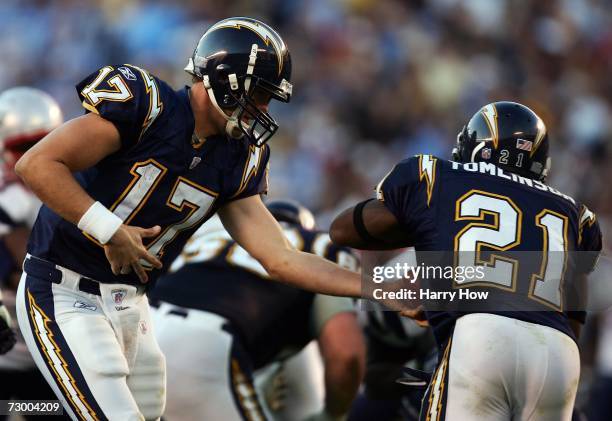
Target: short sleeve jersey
column 156, row 178
column 528, row 237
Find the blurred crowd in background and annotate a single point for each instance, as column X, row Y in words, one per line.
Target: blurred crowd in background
column 374, row 80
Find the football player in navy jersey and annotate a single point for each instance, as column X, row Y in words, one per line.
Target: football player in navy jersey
column 219, row 319
column 513, row 355
column 124, row 187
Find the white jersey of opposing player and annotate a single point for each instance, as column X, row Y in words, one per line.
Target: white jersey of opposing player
column 26, row 114
column 21, row 206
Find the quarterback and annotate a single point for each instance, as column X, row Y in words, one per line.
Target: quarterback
column 514, row 357
column 124, row 186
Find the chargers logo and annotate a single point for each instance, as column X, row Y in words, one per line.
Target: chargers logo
column 267, row 34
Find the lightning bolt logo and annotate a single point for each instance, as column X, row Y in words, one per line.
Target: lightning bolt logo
column 427, row 171
column 251, row 167
column 539, row 137
column 267, row 34
column 56, row 362
column 489, row 113
column 155, row 104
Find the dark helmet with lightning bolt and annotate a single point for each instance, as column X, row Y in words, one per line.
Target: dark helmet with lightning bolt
column 509, row 135
column 239, row 59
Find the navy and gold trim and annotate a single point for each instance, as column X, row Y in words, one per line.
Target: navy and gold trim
column 427, row 172
column 155, row 104
column 545, row 250
column 493, row 226
column 434, row 401
column 586, row 218
column 57, row 356
column 251, row 167
column 120, row 91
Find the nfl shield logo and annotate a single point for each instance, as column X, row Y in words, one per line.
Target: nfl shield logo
column 118, row 295
column 486, row 153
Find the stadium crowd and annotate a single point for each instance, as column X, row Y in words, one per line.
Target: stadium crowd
column 374, row 80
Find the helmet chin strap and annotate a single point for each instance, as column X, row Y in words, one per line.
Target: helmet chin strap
column 232, row 127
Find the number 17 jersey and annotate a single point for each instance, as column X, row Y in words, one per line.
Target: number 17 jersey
column 156, row 178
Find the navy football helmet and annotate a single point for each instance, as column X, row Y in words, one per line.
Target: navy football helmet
column 239, row 59
column 291, row 212
column 509, row 135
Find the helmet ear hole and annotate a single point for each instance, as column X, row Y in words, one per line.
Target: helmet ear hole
column 223, row 70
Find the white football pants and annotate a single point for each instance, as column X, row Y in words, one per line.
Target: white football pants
column 98, row 352
column 497, row 368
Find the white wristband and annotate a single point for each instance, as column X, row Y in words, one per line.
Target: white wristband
column 99, row 222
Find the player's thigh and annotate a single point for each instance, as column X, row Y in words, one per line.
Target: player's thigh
column 147, row 379
column 76, row 350
column 548, row 377
column 471, row 379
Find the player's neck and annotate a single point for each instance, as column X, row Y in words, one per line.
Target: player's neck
column 204, row 123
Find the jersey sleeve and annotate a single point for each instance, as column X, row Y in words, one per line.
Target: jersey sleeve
column 408, row 189
column 255, row 173
column 589, row 240
column 125, row 95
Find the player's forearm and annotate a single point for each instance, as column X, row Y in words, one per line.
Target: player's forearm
column 54, row 184
column 341, row 384
column 343, row 350
column 313, row 273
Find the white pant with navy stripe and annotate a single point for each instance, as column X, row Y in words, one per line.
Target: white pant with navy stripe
column 98, row 352
column 497, row 368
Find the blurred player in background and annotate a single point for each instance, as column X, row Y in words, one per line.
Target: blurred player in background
column 124, row 187
column 393, row 343
column 220, row 318
column 26, row 116
column 513, row 356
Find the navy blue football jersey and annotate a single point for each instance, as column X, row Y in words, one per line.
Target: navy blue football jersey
column 214, row 274
column 519, row 233
column 156, row 178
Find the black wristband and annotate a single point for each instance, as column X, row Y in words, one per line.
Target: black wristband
column 359, row 225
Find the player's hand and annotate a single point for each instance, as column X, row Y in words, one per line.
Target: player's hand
column 7, row 335
column 275, row 388
column 125, row 250
column 416, row 314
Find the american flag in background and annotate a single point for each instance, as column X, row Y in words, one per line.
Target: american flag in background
column 523, row 144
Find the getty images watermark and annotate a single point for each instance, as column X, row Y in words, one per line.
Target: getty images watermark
column 486, row 281
column 411, row 273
